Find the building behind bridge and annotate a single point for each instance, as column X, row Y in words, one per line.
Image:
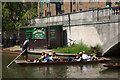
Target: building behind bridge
column 51, row 9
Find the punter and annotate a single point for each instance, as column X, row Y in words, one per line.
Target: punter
column 25, row 46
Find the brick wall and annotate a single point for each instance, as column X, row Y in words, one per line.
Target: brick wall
column 75, row 7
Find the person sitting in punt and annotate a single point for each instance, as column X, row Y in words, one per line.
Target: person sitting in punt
column 93, row 57
column 50, row 57
column 76, row 57
column 84, row 56
column 46, row 59
column 89, row 58
column 41, row 58
column 54, row 57
column 80, row 58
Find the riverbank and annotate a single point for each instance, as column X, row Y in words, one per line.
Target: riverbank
column 77, row 48
column 71, row 50
column 17, row 50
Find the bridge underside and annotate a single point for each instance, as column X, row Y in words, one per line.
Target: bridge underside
column 114, row 51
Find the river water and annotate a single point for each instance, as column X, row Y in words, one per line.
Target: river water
column 56, row 71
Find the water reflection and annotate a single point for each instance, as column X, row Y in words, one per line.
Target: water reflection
column 83, row 71
column 56, row 71
column 109, row 72
column 44, row 72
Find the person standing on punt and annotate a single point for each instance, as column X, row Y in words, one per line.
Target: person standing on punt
column 25, row 46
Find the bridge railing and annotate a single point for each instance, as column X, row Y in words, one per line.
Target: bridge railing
column 92, row 16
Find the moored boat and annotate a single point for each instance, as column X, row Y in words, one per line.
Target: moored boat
column 112, row 65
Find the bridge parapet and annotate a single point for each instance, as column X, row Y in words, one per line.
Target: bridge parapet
column 98, row 26
column 99, row 15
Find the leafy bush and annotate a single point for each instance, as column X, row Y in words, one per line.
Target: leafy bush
column 96, row 49
column 76, row 48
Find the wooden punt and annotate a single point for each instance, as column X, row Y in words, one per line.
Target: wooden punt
column 63, row 61
column 112, row 65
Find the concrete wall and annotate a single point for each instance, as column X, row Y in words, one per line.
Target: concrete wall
column 105, row 35
column 108, row 34
column 86, row 34
column 93, row 27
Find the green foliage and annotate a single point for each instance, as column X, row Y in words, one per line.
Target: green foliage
column 79, row 48
column 74, row 49
column 18, row 25
column 96, row 49
column 16, row 14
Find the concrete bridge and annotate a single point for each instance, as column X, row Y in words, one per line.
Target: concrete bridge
column 92, row 27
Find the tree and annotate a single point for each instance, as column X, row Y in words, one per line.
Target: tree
column 16, row 14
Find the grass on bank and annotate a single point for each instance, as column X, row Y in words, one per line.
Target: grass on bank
column 76, row 48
